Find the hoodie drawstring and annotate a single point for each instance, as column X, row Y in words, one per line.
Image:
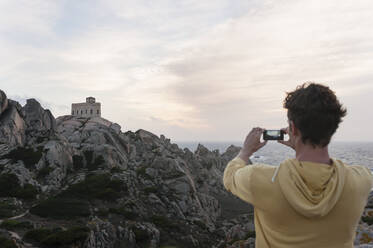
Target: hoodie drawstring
column 275, row 174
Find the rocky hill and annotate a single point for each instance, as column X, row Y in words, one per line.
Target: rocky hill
column 83, row 183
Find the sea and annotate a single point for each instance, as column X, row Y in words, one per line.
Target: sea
column 273, row 153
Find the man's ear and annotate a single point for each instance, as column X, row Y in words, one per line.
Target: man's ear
column 294, row 129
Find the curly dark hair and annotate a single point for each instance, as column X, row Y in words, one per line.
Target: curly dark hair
column 315, row 111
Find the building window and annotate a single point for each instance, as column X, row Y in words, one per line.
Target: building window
column 86, row 111
column 72, row 112
column 81, row 112
column 91, row 111
column 98, row 111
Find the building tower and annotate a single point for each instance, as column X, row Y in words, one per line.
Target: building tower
column 89, row 108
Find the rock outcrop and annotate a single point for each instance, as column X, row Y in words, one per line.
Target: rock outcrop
column 3, row 101
column 85, row 180
column 12, row 126
column 40, row 123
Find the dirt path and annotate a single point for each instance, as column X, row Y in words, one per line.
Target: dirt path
column 15, row 217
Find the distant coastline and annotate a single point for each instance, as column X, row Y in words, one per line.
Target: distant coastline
column 350, row 152
column 212, row 145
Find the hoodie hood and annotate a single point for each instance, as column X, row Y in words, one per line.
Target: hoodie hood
column 312, row 189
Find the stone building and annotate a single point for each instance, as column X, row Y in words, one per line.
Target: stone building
column 90, row 108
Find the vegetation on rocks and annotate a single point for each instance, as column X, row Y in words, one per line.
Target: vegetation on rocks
column 142, row 237
column 164, row 222
column 116, row 170
column 38, row 235
column 10, row 186
column 74, row 235
column 6, row 210
column 367, row 219
column 29, row 156
column 7, row 243
column 44, row 171
column 15, row 224
column 96, row 186
column 151, row 189
column 57, row 237
column 62, row 208
column 128, row 214
column 74, row 201
column 141, row 171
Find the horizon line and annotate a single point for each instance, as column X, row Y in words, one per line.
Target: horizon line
column 232, row 141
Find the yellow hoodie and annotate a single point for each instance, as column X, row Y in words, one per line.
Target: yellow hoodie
column 302, row 204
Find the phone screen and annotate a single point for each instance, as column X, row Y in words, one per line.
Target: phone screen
column 273, row 135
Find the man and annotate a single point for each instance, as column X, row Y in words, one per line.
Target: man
column 312, row 200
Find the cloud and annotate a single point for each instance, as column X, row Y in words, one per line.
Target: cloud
column 239, row 71
column 196, row 69
column 28, row 17
column 44, row 104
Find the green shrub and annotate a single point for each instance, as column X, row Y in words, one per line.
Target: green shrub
column 96, row 187
column 7, row 243
column 152, row 189
column 74, row 201
column 367, row 219
column 164, row 222
column 250, row 234
column 57, row 237
column 103, row 212
column 44, row 172
column 10, row 187
column 6, row 210
column 27, row 192
column 200, row 223
column 62, row 208
column 130, row 204
column 130, row 215
column 39, row 139
column 108, row 194
column 37, row 235
column 142, row 236
column 141, row 171
column 73, row 235
column 14, row 224
column 116, row 170
column 27, row 155
column 173, row 175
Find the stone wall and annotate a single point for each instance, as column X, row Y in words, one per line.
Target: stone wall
column 86, row 109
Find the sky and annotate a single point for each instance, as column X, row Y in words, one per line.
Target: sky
column 191, row 70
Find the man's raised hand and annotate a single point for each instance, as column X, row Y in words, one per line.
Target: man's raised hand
column 252, row 143
column 288, row 142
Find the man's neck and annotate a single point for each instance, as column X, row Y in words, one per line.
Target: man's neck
column 312, row 154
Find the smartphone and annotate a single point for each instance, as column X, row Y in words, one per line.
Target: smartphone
column 273, row 135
